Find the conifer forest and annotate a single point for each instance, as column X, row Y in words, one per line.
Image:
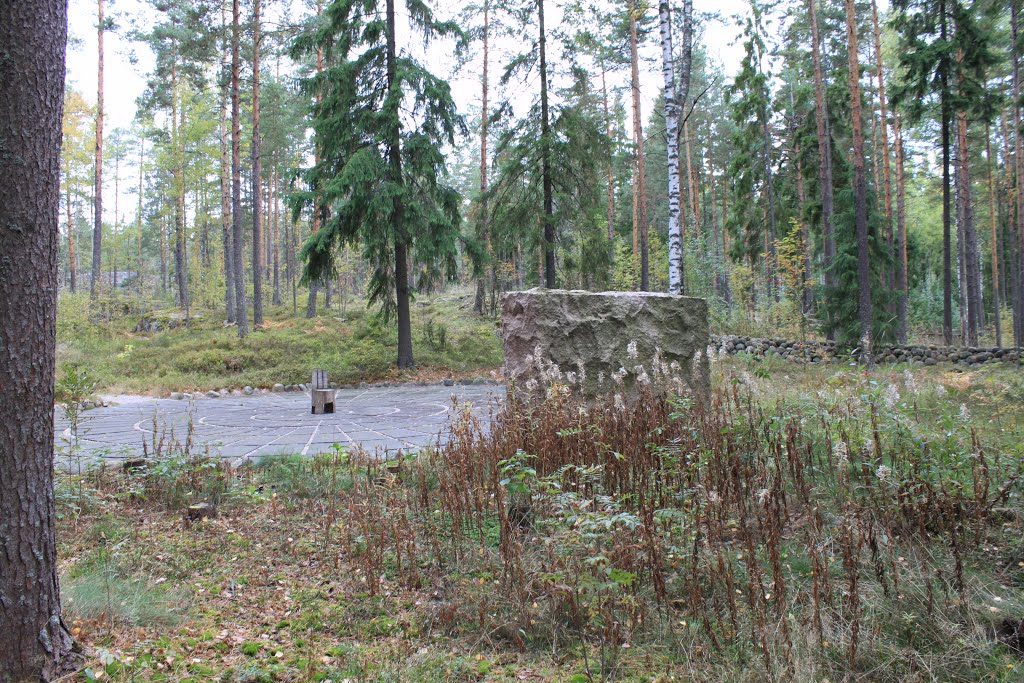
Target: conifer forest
column 853, row 174
column 563, row 341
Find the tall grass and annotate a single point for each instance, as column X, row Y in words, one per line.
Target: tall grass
column 834, row 540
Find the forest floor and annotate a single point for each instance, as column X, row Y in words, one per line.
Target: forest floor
column 818, row 523
column 449, row 340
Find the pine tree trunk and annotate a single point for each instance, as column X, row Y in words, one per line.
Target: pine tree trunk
column 718, row 237
column 824, row 156
column 113, row 228
column 72, row 266
column 97, row 228
column 485, row 231
column 35, row 644
column 276, row 190
column 257, row 177
column 994, row 235
column 970, row 245
column 640, row 189
column 1018, row 309
column 545, row 133
column 163, row 252
column 610, row 172
column 947, row 265
column 864, row 312
column 138, row 215
column 886, row 167
column 902, row 288
column 672, row 104
column 771, row 256
column 178, row 172
column 241, row 317
column 225, row 178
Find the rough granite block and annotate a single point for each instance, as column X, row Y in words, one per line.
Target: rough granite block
column 605, row 342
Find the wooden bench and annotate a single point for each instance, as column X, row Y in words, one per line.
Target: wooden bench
column 321, row 393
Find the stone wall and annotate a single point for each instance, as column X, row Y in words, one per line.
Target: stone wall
column 605, row 343
column 826, row 352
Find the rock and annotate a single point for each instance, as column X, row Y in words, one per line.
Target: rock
column 224, row 392
column 364, row 385
column 248, row 391
column 177, row 396
column 596, row 334
column 88, row 405
column 212, row 394
column 236, row 392
column 449, row 382
column 277, row 388
column 479, row 380
column 930, row 361
column 187, row 396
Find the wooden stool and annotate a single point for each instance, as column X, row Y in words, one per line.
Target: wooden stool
column 321, row 393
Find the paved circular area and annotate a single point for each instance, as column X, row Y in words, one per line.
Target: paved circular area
column 246, row 427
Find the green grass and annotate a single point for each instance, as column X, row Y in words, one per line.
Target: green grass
column 448, row 339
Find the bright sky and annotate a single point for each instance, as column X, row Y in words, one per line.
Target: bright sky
column 125, row 80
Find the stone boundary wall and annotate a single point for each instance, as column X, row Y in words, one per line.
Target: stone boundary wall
column 814, row 351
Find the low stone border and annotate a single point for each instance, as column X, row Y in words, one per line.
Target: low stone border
column 825, row 351
column 279, row 388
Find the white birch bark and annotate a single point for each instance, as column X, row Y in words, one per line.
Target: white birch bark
column 673, row 107
column 675, row 233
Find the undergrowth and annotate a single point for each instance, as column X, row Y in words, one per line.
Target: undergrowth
column 801, row 525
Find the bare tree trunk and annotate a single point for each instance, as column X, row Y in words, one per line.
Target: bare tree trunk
column 257, row 176
column 886, row 167
column 821, row 121
column 864, row 311
column 1018, row 309
column 718, row 237
column 772, row 265
column 970, row 246
column 902, row 288
column 609, row 170
column 72, row 265
column 241, row 317
column 163, row 252
column 225, row 177
column 994, row 235
column 97, row 228
column 35, row 644
column 545, row 132
column 640, row 188
column 947, row 266
column 117, row 216
column 485, row 231
column 178, row 172
column 138, row 215
column 276, row 190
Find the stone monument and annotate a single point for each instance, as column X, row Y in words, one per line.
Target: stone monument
column 606, row 343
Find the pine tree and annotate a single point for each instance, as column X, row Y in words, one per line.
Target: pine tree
column 97, row 229
column 381, row 171
column 864, row 312
column 35, row 643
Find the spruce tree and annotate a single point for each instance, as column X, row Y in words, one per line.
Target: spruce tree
column 379, row 130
